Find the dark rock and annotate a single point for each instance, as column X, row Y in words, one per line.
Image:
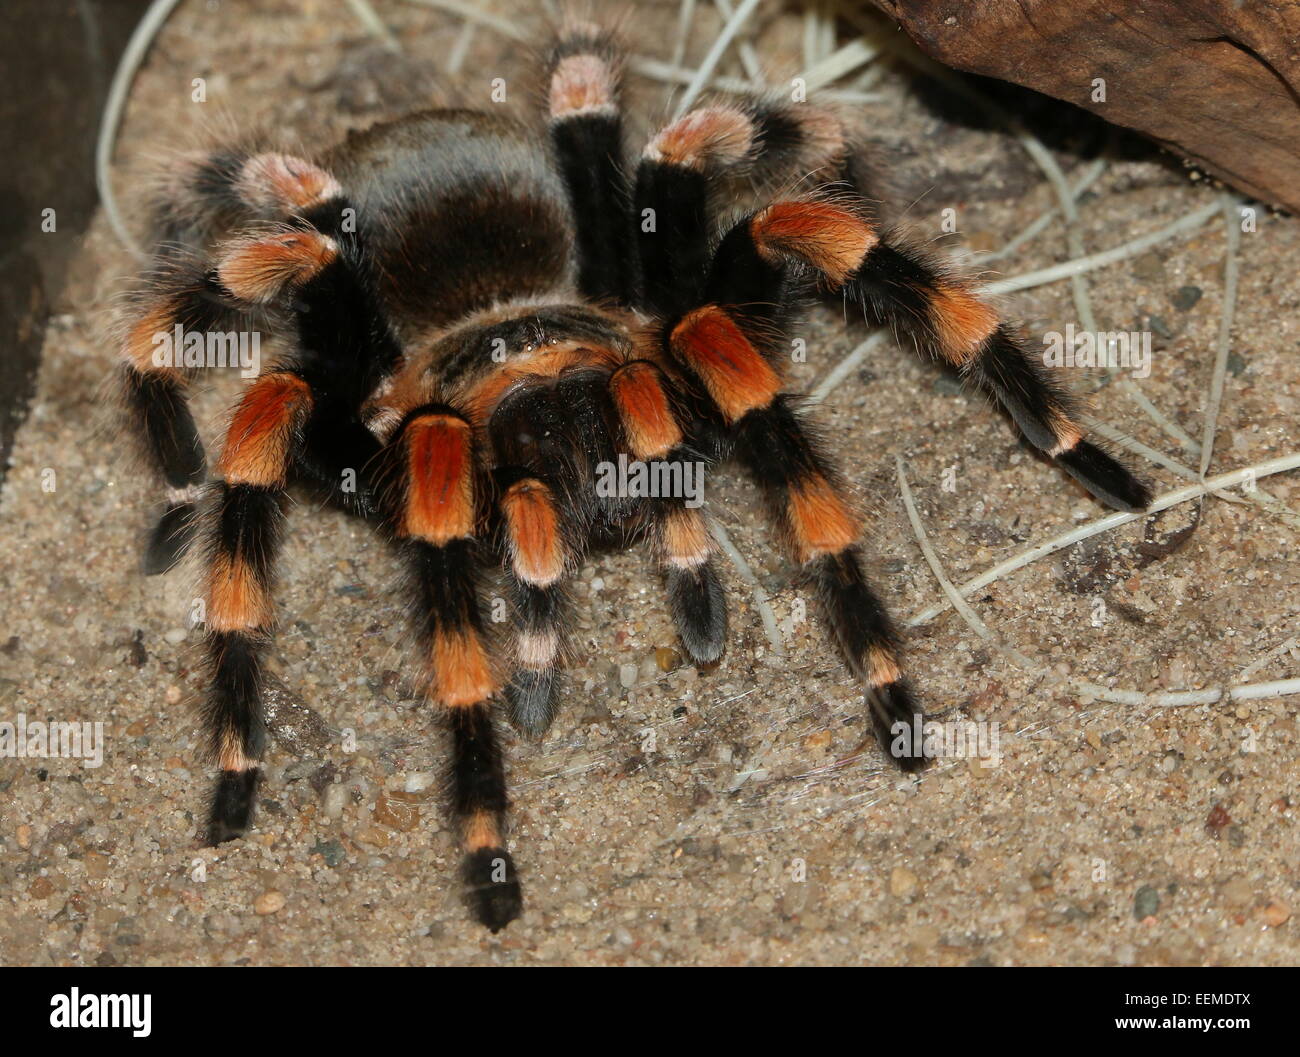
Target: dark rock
column 331, row 851
column 295, row 727
column 1217, row 821
column 1222, row 87
column 1146, row 902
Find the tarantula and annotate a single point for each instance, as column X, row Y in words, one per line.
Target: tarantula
column 482, row 316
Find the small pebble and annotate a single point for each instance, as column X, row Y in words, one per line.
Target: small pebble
column 1149, row 268
column 173, row 694
column 96, row 865
column 1146, row 902
column 418, row 782
column 271, row 902
column 374, row 836
column 627, row 675
column 1238, row 892
column 1185, row 297
column 903, row 883
column 667, row 659
column 1275, row 914
column 175, row 636
column 24, row 835
column 331, row 851
column 1217, row 820
column 396, row 813
column 334, row 800
column 817, row 741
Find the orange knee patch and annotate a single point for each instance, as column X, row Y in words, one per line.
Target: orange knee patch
column 710, row 136
column 1065, row 431
column 533, row 528
column 148, row 335
column 440, row 471
column 583, row 84
column 238, row 600
column 737, row 377
column 830, row 239
column 231, row 755
column 882, row 667
column 283, row 182
column 961, row 320
column 652, row 429
column 260, row 436
column 259, row 270
column 462, row 674
column 537, row 649
column 685, row 538
column 820, row 522
column 482, row 831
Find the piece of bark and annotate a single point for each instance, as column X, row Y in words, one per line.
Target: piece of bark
column 1216, row 81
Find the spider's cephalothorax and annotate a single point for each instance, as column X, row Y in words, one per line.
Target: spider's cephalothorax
column 483, row 317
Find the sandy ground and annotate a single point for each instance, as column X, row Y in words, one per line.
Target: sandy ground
column 729, row 816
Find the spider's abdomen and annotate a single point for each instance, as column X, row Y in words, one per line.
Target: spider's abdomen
column 464, row 209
